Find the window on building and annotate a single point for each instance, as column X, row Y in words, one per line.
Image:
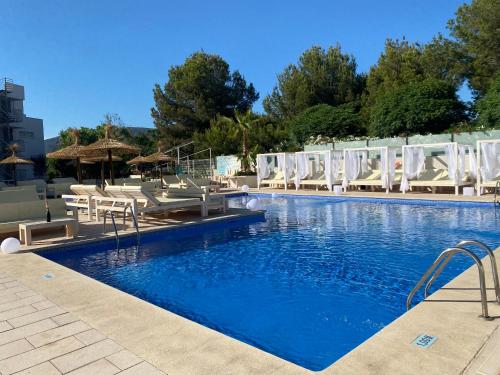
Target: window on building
column 26, row 134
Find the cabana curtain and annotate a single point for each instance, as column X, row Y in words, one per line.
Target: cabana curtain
column 302, row 167
column 263, row 167
column 490, row 161
column 353, row 167
column 452, row 163
column 333, row 164
column 317, row 164
column 388, row 176
column 289, row 165
column 286, row 164
column 281, row 163
column 336, row 164
column 462, row 151
column 414, row 163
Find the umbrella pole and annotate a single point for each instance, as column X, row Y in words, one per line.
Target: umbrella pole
column 79, row 170
column 102, row 174
column 14, row 176
column 110, row 161
column 161, row 177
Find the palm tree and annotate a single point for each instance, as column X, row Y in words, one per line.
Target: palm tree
column 242, row 124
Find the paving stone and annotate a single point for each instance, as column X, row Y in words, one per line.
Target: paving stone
column 6, row 279
column 4, row 326
column 14, row 313
column 26, row 293
column 14, row 348
column 36, row 356
column 27, row 330
column 90, row 337
column 12, row 284
column 86, row 355
column 58, row 333
column 9, row 298
column 143, row 368
column 42, row 305
column 64, row 319
column 36, row 316
column 14, row 290
column 100, row 367
column 45, row 368
column 124, row 359
column 20, row 302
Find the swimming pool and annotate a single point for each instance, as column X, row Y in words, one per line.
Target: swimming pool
column 309, row 283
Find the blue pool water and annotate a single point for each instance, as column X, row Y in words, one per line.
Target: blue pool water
column 309, row 283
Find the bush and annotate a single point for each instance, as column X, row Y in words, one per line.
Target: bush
column 323, row 119
column 430, row 106
column 488, row 107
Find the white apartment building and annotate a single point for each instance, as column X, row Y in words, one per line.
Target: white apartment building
column 16, row 127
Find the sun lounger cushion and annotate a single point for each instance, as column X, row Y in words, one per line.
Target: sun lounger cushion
column 12, row 214
column 65, row 180
column 41, row 185
column 19, row 195
column 88, row 190
column 437, row 177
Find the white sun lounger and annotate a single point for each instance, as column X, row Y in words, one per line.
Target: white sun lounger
column 143, row 202
column 82, row 197
column 374, row 178
column 434, row 178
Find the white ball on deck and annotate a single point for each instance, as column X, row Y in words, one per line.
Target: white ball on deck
column 253, row 205
column 10, row 245
column 245, row 188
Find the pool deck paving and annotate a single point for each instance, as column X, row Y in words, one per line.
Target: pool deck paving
column 38, row 337
column 485, row 198
column 466, row 343
column 91, row 231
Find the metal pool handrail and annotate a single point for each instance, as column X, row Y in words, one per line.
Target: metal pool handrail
column 462, row 244
column 136, row 225
column 449, row 253
column 112, row 214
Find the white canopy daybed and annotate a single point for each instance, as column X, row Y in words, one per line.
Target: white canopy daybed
column 318, row 168
column 275, row 169
column 359, row 172
column 488, row 164
column 452, row 172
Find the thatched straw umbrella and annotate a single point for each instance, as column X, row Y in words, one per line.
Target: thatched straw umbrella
column 15, row 160
column 73, row 152
column 158, row 157
column 109, row 146
column 137, row 161
column 100, row 159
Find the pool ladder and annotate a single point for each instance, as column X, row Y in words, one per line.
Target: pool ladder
column 113, row 220
column 442, row 261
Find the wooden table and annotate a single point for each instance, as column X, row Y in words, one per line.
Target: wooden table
column 71, row 226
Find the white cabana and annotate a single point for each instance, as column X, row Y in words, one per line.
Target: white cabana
column 275, row 169
column 361, row 170
column 488, row 164
column 318, row 168
column 434, row 172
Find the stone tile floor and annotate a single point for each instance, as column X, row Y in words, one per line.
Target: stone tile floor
column 37, row 337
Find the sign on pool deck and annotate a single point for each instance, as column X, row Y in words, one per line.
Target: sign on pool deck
column 424, row 341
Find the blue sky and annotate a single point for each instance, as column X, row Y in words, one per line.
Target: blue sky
column 81, row 59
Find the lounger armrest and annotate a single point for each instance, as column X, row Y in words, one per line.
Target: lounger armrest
column 75, row 197
column 100, row 199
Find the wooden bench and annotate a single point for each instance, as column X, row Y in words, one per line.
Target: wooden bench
column 71, row 226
